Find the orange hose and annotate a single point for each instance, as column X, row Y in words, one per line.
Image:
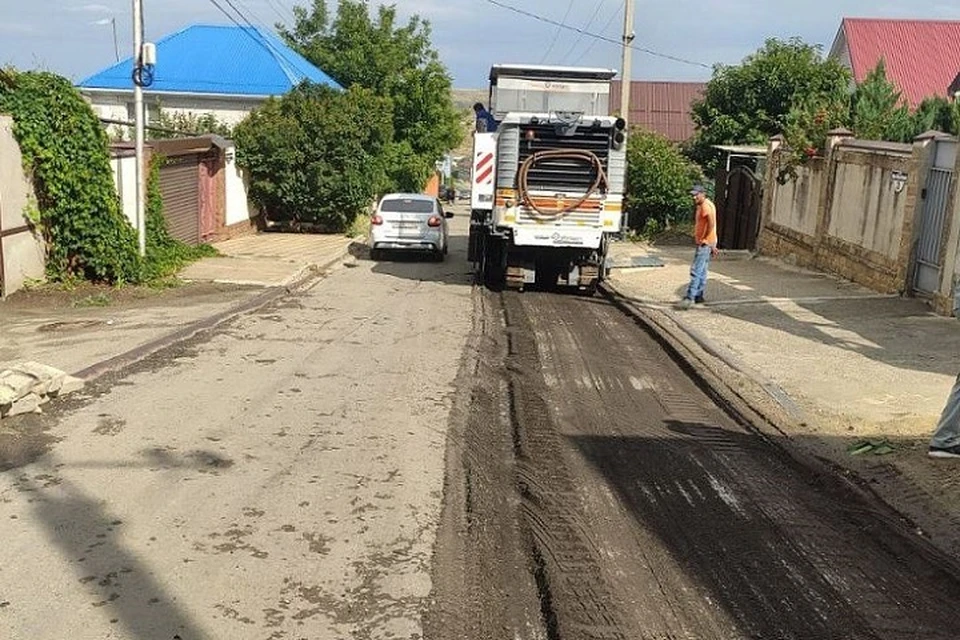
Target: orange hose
column 559, row 154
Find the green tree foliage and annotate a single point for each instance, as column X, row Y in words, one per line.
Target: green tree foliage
column 878, row 111
column 65, row 152
column 317, row 155
column 936, row 114
column 396, row 62
column 659, row 179
column 750, row 102
column 189, row 124
column 808, row 124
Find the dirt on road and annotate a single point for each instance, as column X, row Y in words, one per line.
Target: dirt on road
column 279, row 476
column 642, row 509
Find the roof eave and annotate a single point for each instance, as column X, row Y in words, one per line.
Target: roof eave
column 191, row 94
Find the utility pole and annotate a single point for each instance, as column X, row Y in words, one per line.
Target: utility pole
column 626, row 74
column 138, row 120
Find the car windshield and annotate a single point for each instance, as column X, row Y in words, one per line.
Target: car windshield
column 407, row 205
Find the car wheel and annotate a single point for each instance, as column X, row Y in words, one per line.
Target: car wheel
column 376, row 255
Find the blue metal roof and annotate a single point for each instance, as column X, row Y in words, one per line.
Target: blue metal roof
column 218, row 59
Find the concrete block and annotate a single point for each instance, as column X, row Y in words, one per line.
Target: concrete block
column 29, row 403
column 49, row 379
column 8, row 395
column 21, row 383
column 70, row 385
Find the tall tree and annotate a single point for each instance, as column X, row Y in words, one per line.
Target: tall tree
column 397, row 61
column 878, row 111
column 750, row 102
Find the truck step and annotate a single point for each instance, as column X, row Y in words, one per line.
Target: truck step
column 515, row 279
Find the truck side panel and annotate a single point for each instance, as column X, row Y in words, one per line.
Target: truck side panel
column 483, row 171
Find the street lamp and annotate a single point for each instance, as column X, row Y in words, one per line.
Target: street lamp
column 116, row 43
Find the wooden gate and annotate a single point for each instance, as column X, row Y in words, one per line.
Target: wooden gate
column 739, row 198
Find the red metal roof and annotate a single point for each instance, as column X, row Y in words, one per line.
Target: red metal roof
column 922, row 56
column 663, row 107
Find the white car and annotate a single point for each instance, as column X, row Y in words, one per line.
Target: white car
column 409, row 222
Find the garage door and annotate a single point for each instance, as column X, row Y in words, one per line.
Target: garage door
column 180, row 188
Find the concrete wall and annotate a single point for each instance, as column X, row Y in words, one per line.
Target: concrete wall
column 849, row 213
column 796, row 203
column 22, row 252
column 125, row 178
column 866, row 208
column 240, row 211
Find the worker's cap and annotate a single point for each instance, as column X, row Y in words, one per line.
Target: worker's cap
column 697, row 189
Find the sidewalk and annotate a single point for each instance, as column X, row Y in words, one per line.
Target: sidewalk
column 268, row 259
column 836, row 348
column 846, row 364
column 74, row 331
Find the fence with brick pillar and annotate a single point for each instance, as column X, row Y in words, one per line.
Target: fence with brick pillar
column 881, row 214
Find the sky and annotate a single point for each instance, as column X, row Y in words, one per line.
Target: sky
column 74, row 37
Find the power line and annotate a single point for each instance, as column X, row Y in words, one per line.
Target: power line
column 285, row 15
column 589, row 24
column 597, row 36
column 606, row 27
column 258, row 38
column 243, row 16
column 556, row 34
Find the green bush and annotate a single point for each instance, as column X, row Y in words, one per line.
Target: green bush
column 65, row 153
column 188, row 124
column 659, row 178
column 318, row 155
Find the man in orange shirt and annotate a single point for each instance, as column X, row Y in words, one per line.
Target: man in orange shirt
column 705, row 236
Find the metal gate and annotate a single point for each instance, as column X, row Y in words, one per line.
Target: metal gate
column 180, row 188
column 928, row 257
column 739, row 195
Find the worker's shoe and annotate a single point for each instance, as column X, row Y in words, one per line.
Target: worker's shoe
column 685, row 304
column 698, row 300
column 945, row 452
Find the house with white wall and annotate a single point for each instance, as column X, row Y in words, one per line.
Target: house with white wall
column 222, row 70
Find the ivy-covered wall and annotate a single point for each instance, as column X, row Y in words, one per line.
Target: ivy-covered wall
column 78, row 212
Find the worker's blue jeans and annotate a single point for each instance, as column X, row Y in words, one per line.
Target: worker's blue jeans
column 698, row 272
column 948, row 429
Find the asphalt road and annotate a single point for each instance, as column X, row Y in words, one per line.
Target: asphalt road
column 397, row 454
column 281, row 478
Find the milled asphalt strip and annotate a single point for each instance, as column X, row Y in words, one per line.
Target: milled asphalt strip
column 641, row 311
column 308, row 277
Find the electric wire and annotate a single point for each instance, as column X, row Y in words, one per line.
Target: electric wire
column 556, row 34
column 579, row 37
column 606, row 26
column 597, row 36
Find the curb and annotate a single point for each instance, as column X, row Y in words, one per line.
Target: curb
column 302, row 281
